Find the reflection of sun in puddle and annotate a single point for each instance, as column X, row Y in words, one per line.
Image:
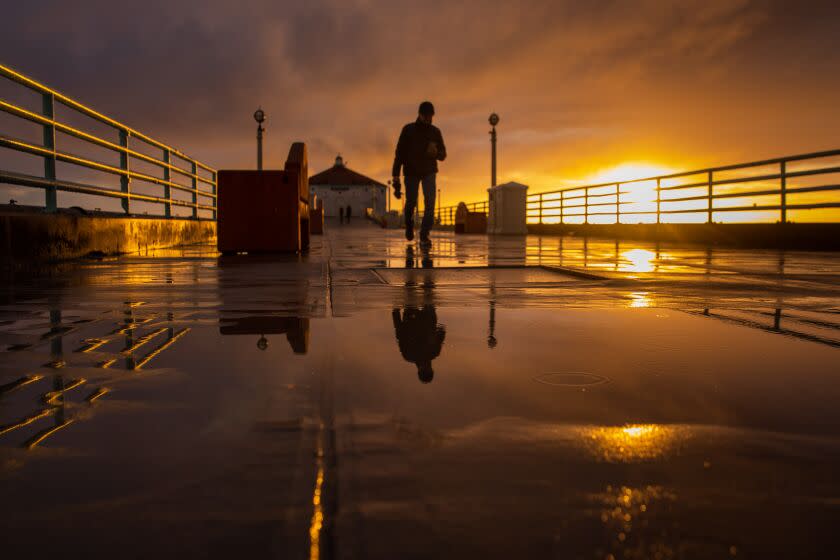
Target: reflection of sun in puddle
column 632, row 443
column 638, row 260
column 640, row 299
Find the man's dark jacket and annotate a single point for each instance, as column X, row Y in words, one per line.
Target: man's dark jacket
column 412, row 150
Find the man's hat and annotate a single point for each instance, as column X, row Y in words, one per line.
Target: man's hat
column 426, row 108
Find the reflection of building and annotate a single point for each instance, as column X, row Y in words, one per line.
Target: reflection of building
column 340, row 187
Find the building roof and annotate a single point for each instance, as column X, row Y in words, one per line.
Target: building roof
column 340, row 174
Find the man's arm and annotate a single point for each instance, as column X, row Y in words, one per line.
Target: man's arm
column 441, row 154
column 399, row 154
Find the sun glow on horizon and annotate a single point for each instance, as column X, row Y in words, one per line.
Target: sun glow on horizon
column 628, row 171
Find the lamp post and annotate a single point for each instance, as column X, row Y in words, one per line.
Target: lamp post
column 259, row 116
column 494, row 120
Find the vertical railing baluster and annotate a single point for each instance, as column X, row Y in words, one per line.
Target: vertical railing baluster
column 125, row 178
column 586, row 205
column 710, row 207
column 194, row 182
column 51, row 201
column 783, row 192
column 617, row 203
column 167, row 190
column 658, row 201
column 562, row 205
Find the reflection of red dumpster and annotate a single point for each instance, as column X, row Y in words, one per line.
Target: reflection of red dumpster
column 296, row 329
column 316, row 216
column 265, row 211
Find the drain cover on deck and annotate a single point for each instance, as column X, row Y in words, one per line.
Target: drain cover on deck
column 474, row 275
column 571, row 379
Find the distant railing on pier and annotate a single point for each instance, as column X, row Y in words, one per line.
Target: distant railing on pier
column 784, row 189
column 159, row 178
column 768, row 190
column 446, row 214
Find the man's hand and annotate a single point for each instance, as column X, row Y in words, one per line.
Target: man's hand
column 397, row 187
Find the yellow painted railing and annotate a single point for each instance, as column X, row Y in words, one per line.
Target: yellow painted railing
column 201, row 178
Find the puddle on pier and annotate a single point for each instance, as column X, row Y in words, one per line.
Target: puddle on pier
column 650, row 432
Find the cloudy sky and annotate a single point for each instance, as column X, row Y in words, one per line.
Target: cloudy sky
column 581, row 87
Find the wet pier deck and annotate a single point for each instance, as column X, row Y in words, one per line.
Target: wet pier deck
column 536, row 397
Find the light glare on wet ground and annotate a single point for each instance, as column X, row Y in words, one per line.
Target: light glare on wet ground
column 494, row 400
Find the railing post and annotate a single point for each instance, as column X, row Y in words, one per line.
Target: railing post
column 562, row 204
column 51, row 202
column 617, row 203
column 658, row 201
column 586, row 205
column 709, row 211
column 213, row 178
column 125, row 178
column 783, row 192
column 167, row 190
column 194, row 182
column 541, row 208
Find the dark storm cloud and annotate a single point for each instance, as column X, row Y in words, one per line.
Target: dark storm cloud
column 594, row 79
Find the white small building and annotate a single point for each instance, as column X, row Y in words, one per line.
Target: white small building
column 340, row 187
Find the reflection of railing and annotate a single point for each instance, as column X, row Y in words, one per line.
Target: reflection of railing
column 446, row 215
column 790, row 324
column 53, row 401
column 702, row 192
column 201, row 179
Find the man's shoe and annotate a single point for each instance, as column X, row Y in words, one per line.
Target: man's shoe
column 409, row 233
column 424, row 239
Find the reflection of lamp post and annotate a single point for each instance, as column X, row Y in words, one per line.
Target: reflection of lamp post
column 259, row 116
column 491, row 337
column 494, row 120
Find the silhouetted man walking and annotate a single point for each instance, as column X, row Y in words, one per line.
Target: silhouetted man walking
column 419, row 149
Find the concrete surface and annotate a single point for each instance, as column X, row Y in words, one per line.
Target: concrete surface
column 28, row 234
column 587, row 399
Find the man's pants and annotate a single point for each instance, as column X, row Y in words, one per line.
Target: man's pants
column 412, row 187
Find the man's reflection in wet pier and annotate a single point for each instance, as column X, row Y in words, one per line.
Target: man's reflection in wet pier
column 419, row 337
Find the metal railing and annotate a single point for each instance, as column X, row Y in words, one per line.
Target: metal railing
column 446, row 215
column 700, row 192
column 201, row 178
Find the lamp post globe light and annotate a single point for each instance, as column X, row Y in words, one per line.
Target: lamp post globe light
column 259, row 116
column 493, row 120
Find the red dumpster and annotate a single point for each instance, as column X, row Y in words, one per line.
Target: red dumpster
column 265, row 211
